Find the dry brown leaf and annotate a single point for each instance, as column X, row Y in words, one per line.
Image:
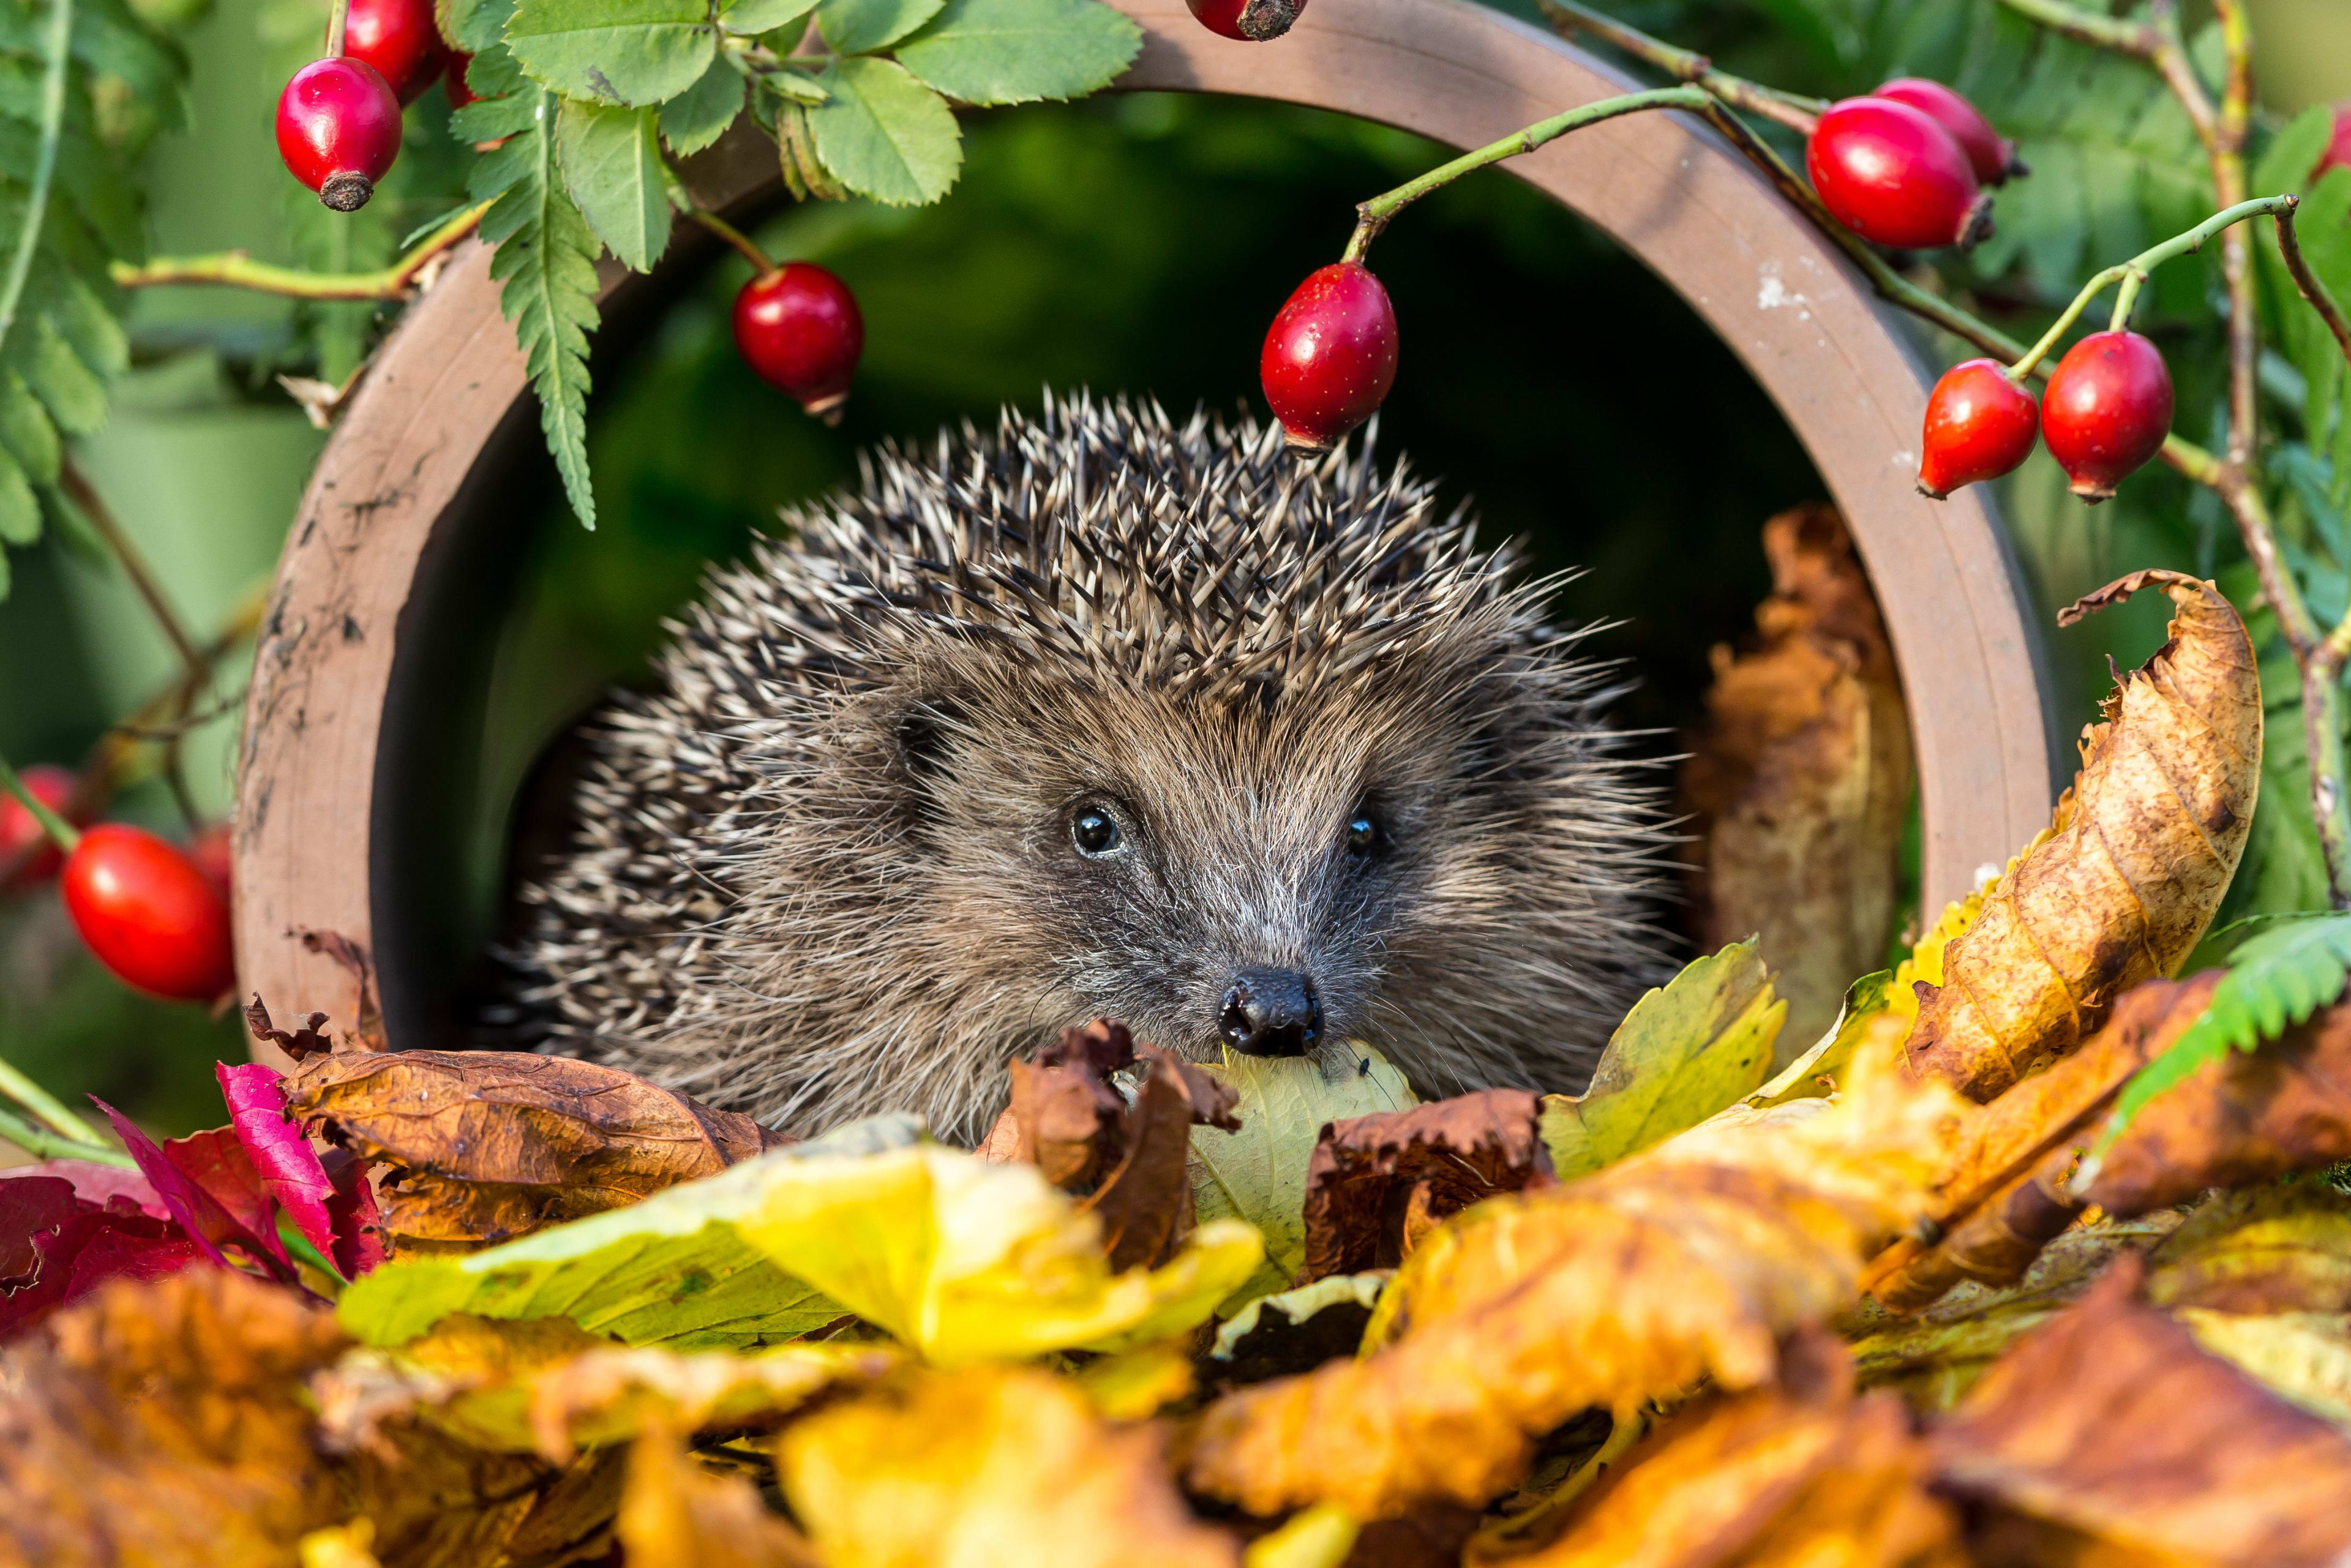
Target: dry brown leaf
column 1801, row 777
column 1802, row 1474
column 1688, row 1261
column 488, row 1146
column 1067, row 1115
column 676, row 1514
column 2004, row 1196
column 988, row 1466
column 2143, row 847
column 1377, row 1184
column 2110, row 1421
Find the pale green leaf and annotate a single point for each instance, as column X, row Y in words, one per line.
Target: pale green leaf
column 611, row 166
column 701, row 114
column 1017, row 51
column 73, row 395
column 1819, row 1071
column 2294, row 150
column 2305, row 1358
column 858, row 26
column 614, row 51
column 26, row 433
column 1683, row 1053
column 794, row 85
column 1259, row 1174
column 478, row 25
column 751, row 18
column 883, row 134
column 20, row 509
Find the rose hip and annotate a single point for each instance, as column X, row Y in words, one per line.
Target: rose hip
column 1330, row 356
column 149, row 914
column 1251, row 21
column 2107, row 410
column 398, row 40
column 339, row 131
column 453, row 80
column 1991, row 155
column 20, row 830
column 800, row 328
column 1980, row 425
column 2338, row 146
column 1893, row 175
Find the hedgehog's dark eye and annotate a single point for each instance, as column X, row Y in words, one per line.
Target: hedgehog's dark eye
column 1363, row 835
column 1095, row 831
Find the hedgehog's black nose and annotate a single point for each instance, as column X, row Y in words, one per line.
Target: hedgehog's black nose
column 1271, row 1012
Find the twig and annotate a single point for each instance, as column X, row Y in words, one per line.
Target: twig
column 759, row 258
column 39, row 1141
column 46, row 1106
column 2085, row 26
column 235, row 269
column 1797, row 112
column 56, row 47
column 2312, row 288
column 1373, row 215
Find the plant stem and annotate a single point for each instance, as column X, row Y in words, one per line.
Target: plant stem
column 1373, row 215
column 2316, row 292
column 235, row 269
column 336, row 16
column 760, row 262
column 57, row 45
column 39, row 1141
column 62, row 833
column 46, row 1106
column 1792, row 110
column 2133, row 273
column 2085, row 26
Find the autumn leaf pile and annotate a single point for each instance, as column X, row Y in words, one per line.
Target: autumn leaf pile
column 2030, row 1257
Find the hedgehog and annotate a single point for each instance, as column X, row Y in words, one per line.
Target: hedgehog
column 1100, row 716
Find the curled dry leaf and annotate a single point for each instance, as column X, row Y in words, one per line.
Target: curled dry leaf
column 1298, row 1330
column 488, row 1146
column 1803, row 1473
column 1801, row 776
column 2111, row 1424
column 676, row 1514
column 307, row 1040
column 988, row 1464
column 2263, row 1278
column 1377, row 1184
column 1685, row 1050
column 1687, row 1262
column 2141, row 848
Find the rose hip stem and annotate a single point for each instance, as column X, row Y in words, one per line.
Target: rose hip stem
column 337, row 16
column 1372, row 216
column 1794, row 111
column 762, row 264
column 2133, row 275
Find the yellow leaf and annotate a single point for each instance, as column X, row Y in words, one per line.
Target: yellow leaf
column 675, row 1514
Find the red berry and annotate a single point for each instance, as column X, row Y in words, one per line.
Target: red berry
column 1250, row 21
column 1991, row 155
column 2107, row 410
column 1330, row 356
column 397, row 37
column 339, row 131
column 799, row 328
column 1980, row 425
column 2338, row 146
column 215, row 855
column 149, row 914
column 20, row 829
column 1892, row 175
column 454, row 79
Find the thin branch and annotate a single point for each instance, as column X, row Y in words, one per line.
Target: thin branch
column 760, row 259
column 2086, row 26
column 2312, row 288
column 134, row 566
column 235, row 269
column 46, row 1106
column 45, row 1144
column 1797, row 112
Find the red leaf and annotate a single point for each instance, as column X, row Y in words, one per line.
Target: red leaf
column 56, row 1246
column 358, row 1224
column 278, row 1151
column 210, row 1189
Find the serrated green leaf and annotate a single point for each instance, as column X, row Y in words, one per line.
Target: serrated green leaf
column 1684, row 1053
column 2276, row 979
column 796, row 84
column 748, row 18
column 611, row 166
column 545, row 259
column 1259, row 1174
column 26, row 433
column 858, row 26
column 473, row 25
column 20, row 509
column 883, row 134
column 494, row 72
column 614, row 51
column 1017, row 51
column 75, row 397
column 701, row 114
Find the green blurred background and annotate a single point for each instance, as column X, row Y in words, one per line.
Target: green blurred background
column 1135, row 243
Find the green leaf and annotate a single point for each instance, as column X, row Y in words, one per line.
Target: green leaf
column 73, row 393
column 2287, row 162
column 545, row 258
column 611, row 166
column 796, row 84
column 20, row 509
column 749, row 18
column 883, row 134
column 474, row 26
column 26, row 432
column 701, row 114
column 1259, row 1174
column 858, row 26
column 1684, row 1053
column 1017, row 51
column 614, row 51
column 1817, row 1072
column 2276, row 979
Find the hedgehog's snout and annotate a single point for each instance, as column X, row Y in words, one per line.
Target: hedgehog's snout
column 1271, row 1012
